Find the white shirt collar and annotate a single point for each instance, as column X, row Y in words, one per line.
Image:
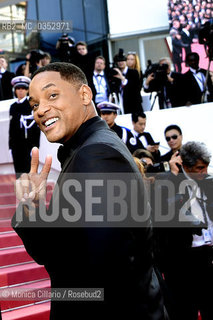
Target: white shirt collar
column 193, row 70
column 125, row 70
column 100, row 73
column 22, row 100
column 2, row 70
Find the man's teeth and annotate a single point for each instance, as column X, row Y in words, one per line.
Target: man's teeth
column 50, row 121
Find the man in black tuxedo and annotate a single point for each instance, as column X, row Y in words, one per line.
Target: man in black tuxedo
column 74, row 239
column 129, row 85
column 186, row 37
column 185, row 239
column 6, row 91
column 139, row 125
column 194, row 82
column 98, row 81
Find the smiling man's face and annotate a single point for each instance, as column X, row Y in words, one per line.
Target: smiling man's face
column 58, row 106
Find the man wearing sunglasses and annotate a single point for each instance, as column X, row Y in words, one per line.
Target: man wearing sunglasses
column 173, row 136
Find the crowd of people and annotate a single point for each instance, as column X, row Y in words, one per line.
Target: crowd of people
column 186, row 18
column 146, row 272
column 155, row 273
column 194, row 13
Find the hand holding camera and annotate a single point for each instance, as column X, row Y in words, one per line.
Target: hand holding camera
column 118, row 74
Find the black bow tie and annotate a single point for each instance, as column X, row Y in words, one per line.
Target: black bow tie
column 198, row 70
column 140, row 135
column 99, row 75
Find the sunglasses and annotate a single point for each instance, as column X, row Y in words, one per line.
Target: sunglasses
column 174, row 137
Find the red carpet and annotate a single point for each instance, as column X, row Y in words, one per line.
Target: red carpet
column 199, row 48
column 17, row 268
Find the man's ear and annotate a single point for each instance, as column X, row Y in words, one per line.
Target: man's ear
column 86, row 94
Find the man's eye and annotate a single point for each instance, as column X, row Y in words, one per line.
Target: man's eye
column 53, row 95
column 34, row 106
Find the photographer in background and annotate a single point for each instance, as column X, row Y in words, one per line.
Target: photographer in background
column 129, row 84
column 173, row 136
column 166, row 83
column 65, row 48
column 33, row 62
column 184, row 242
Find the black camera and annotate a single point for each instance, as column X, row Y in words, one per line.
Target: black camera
column 158, row 167
column 66, row 41
column 159, row 71
column 65, row 47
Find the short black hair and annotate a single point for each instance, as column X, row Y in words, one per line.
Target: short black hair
column 68, row 72
column 192, row 55
column 136, row 115
column 173, row 127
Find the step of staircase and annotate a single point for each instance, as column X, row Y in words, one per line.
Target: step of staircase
column 7, row 199
column 7, row 178
column 14, row 256
column 36, row 291
column 6, row 188
column 5, row 225
column 10, row 239
column 22, row 273
column 6, row 211
column 39, row 311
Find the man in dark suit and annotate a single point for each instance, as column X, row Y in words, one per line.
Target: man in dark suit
column 98, row 81
column 185, row 239
column 24, row 133
column 80, row 241
column 129, row 85
column 6, row 91
column 194, row 82
column 139, row 125
column 186, row 37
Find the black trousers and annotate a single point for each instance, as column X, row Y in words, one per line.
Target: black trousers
column 189, row 280
column 21, row 159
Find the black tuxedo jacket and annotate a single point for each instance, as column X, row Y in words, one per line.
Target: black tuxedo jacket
column 116, row 259
column 192, row 92
column 132, row 100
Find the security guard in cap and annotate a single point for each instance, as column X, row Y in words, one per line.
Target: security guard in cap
column 108, row 112
column 24, row 133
